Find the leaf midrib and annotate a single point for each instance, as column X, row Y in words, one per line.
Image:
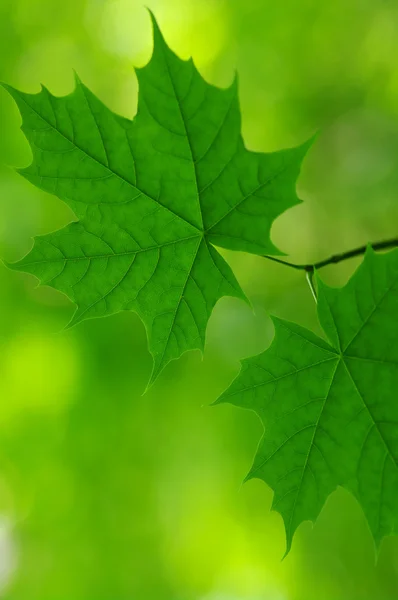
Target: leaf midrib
column 370, row 413
column 178, row 307
column 108, row 168
column 275, row 379
column 312, row 443
column 110, row 255
column 179, row 104
column 377, row 306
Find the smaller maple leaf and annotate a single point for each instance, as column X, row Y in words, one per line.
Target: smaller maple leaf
column 330, row 410
column 152, row 196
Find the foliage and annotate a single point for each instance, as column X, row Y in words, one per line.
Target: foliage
column 152, row 196
column 329, row 409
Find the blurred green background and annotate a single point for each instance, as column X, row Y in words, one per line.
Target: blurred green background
column 106, row 494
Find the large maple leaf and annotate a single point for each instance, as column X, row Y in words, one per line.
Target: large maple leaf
column 152, row 197
column 330, row 410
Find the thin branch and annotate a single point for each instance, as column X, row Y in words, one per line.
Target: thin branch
column 336, row 258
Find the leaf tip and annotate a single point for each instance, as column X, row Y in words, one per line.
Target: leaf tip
column 313, row 138
column 219, row 400
column 156, row 370
column 147, row 388
column 74, row 320
column 224, row 397
column 247, row 301
column 276, row 321
column 248, row 477
column 6, row 264
column 289, row 534
column 287, row 548
column 10, row 89
column 76, row 78
column 17, row 265
column 157, row 34
column 151, row 14
column 235, row 80
column 304, row 148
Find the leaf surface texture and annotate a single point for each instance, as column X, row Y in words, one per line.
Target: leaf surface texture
column 153, row 197
column 330, row 409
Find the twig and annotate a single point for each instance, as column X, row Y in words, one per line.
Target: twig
column 336, row 258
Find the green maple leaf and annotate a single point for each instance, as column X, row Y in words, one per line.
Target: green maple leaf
column 152, row 196
column 330, row 410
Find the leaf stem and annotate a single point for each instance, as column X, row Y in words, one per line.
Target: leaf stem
column 336, row 258
column 309, row 275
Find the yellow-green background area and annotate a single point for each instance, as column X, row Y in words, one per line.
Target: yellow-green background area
column 108, row 494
